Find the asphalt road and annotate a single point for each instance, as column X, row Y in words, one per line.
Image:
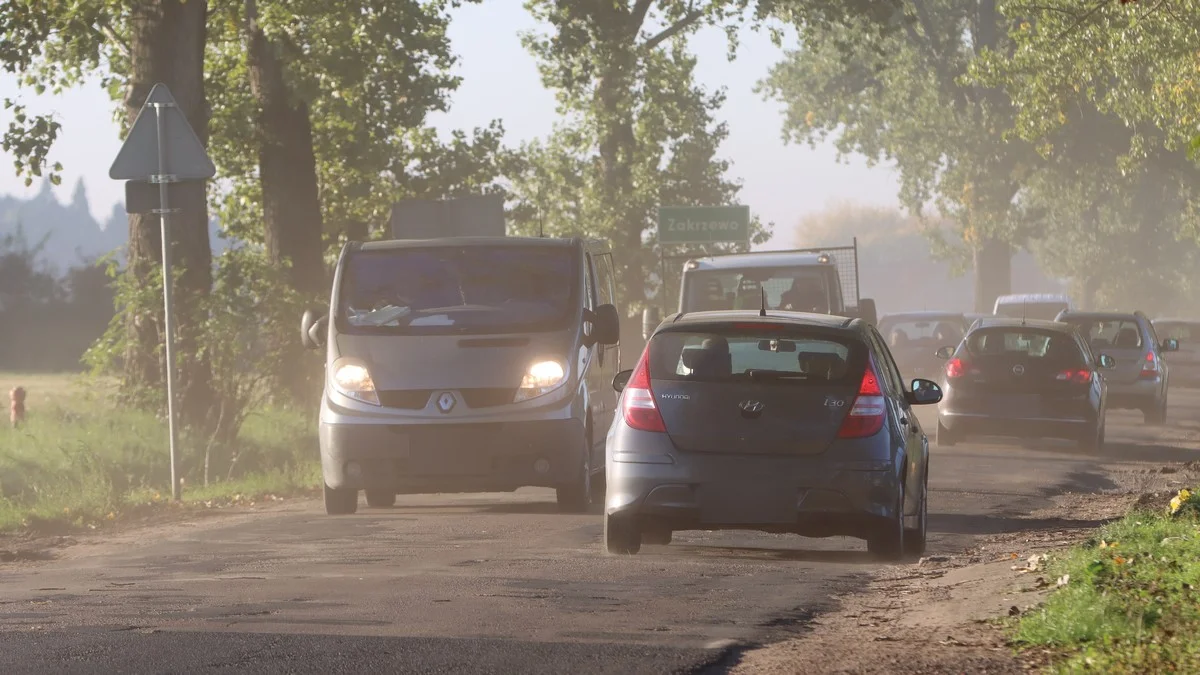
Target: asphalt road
column 488, row 583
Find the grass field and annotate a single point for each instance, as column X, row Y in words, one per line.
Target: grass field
column 1128, row 600
column 81, row 461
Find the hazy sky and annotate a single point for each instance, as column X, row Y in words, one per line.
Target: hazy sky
column 500, row 80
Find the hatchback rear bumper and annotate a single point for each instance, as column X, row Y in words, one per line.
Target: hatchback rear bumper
column 1136, row 394
column 809, row 496
column 1015, row 427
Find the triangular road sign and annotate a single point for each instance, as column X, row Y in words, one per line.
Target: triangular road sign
column 184, row 155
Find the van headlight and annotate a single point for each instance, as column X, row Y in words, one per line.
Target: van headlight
column 353, row 380
column 541, row 378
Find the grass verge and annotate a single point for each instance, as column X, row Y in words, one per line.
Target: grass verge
column 79, row 462
column 1127, row 600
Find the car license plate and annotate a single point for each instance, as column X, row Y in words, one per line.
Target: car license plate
column 747, row 504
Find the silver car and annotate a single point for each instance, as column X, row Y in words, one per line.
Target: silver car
column 1141, row 377
column 790, row 422
column 1185, row 364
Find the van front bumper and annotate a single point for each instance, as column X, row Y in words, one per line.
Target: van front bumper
column 460, row 457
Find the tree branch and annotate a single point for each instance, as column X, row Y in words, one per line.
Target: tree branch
column 638, row 16
column 672, row 30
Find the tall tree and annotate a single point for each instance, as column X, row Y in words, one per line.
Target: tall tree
column 886, row 80
column 61, row 44
column 639, row 132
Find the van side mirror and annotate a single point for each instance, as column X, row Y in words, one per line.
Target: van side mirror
column 944, row 353
column 606, row 325
column 312, row 329
column 1170, row 345
column 621, row 380
column 1106, row 362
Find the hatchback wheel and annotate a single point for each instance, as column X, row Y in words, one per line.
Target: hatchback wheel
column 622, row 535
column 914, row 540
column 380, row 499
column 945, row 438
column 887, row 541
column 1093, row 441
column 1157, row 412
column 340, row 501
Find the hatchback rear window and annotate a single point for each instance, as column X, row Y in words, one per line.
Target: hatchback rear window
column 1026, row 343
column 768, row 354
column 1108, row 333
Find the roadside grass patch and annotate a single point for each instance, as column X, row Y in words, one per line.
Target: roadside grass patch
column 80, row 461
column 1130, row 602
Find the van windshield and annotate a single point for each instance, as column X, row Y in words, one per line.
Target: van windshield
column 459, row 289
column 800, row 289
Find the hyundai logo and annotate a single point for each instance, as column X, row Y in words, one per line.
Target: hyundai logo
column 751, row 407
column 446, row 402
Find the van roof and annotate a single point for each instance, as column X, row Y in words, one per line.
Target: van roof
column 1032, row 297
column 390, row 244
column 761, row 259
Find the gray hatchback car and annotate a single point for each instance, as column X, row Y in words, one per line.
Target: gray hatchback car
column 790, row 422
column 1141, row 378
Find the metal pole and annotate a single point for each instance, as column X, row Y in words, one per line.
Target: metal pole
column 163, row 197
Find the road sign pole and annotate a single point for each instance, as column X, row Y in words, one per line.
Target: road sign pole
column 164, row 181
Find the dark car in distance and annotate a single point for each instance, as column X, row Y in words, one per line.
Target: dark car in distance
column 914, row 338
column 788, row 422
column 1016, row 378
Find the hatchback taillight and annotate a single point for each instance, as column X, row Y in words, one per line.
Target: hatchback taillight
column 869, row 410
column 1149, row 367
column 956, row 368
column 1079, row 376
column 637, row 403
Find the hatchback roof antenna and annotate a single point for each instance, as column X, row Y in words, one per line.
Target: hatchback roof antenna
column 762, row 307
column 1024, row 306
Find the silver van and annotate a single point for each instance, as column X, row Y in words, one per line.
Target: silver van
column 466, row 364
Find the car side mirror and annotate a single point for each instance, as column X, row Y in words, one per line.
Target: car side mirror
column 1170, row 345
column 1107, row 362
column 312, row 329
column 924, row 392
column 621, row 380
column 944, row 353
column 606, row 325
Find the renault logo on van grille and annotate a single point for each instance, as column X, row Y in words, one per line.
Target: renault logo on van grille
column 446, row 402
column 1018, row 369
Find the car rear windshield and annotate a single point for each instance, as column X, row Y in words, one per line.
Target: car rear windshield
column 1108, row 333
column 941, row 331
column 1043, row 311
column 1027, row 343
column 767, row 354
column 459, row 289
column 800, row 289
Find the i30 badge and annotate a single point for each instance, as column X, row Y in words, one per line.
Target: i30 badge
column 446, row 402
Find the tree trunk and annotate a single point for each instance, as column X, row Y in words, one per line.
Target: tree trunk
column 993, row 273
column 286, row 164
column 167, row 40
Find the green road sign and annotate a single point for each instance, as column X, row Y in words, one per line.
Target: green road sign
column 703, row 224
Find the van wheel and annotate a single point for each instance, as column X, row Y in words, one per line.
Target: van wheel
column 340, row 501
column 576, row 497
column 380, row 499
column 622, row 535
